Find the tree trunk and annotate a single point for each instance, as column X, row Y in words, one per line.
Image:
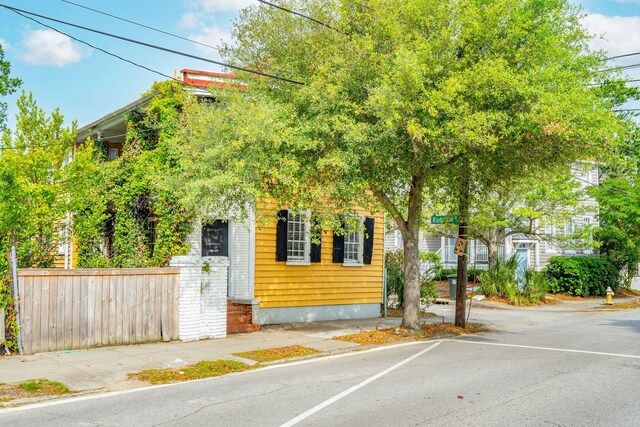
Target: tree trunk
column 411, row 235
column 493, row 252
column 461, row 289
column 411, row 314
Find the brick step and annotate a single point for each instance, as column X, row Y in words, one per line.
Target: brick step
column 241, row 312
column 238, row 320
column 241, row 329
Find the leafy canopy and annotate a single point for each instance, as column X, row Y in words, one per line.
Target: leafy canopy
column 398, row 93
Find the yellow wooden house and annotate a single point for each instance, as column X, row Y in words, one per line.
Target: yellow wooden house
column 276, row 272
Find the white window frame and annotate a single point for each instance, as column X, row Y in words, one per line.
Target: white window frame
column 355, row 237
column 302, row 219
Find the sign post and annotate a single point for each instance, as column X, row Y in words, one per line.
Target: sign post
column 460, row 248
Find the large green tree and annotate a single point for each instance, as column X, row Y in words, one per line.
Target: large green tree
column 8, row 85
column 393, row 98
column 33, row 204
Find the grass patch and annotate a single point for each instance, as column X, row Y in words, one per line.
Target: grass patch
column 271, row 354
column 32, row 388
column 203, row 369
column 394, row 335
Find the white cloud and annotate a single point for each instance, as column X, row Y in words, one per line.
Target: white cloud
column 211, row 35
column 619, row 34
column 201, row 20
column 5, row 45
column 191, row 20
column 48, row 47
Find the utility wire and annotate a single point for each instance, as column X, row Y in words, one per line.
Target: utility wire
column 622, row 67
column 144, row 67
column 614, row 81
column 623, row 56
column 158, row 30
column 152, row 46
column 293, row 12
column 141, row 25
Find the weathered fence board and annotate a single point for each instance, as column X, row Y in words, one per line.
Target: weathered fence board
column 82, row 308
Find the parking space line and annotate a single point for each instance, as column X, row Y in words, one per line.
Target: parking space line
column 347, row 392
column 533, row 347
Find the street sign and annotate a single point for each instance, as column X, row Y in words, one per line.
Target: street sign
column 460, row 248
column 443, row 219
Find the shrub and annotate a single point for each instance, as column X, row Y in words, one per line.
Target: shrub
column 430, row 270
column 581, row 276
column 535, row 286
column 500, row 280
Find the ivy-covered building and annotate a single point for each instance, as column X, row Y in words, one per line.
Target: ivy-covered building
column 274, row 272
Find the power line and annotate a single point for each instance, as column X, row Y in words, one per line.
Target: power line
column 152, row 46
column 622, row 67
column 144, row 67
column 623, row 56
column 293, row 12
column 615, row 81
column 158, row 30
column 141, row 25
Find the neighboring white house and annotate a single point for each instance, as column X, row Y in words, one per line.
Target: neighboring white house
column 532, row 252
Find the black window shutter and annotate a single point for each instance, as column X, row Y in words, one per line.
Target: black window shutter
column 315, row 254
column 281, row 235
column 338, row 247
column 367, row 250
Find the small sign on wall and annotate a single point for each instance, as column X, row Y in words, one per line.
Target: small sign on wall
column 461, row 247
column 215, row 239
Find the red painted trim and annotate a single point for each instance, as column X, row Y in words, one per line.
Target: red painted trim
column 204, row 83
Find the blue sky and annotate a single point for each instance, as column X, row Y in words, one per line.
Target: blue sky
column 87, row 84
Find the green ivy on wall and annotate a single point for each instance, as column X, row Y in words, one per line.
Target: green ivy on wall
column 129, row 212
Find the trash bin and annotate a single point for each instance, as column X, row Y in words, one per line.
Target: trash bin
column 453, row 285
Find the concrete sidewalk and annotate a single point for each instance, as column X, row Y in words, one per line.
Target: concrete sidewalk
column 106, row 368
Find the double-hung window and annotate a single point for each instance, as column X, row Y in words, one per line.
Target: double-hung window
column 298, row 238
column 353, row 240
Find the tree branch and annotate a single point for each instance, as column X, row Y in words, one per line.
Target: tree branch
column 391, row 208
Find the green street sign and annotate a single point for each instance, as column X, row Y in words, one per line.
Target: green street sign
column 443, row 219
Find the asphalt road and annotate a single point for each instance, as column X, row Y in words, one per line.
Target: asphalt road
column 535, row 368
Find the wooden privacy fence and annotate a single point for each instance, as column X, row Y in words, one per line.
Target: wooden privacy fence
column 82, row 308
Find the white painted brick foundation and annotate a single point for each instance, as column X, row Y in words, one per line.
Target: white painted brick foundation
column 202, row 308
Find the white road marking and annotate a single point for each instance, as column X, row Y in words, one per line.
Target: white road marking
column 347, row 392
column 355, row 352
column 533, row 347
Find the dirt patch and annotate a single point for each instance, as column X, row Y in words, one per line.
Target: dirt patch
column 377, row 336
column 271, row 354
column 203, row 369
column 627, row 292
column 570, row 297
column 394, row 335
column 627, row 305
column 32, row 388
column 399, row 312
column 439, row 329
